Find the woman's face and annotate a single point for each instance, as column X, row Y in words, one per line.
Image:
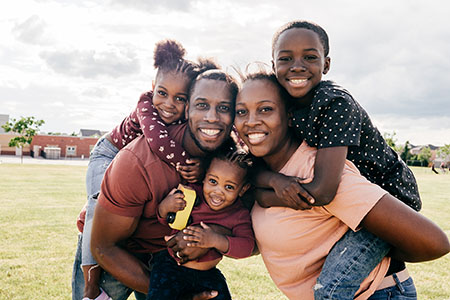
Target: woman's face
column 261, row 119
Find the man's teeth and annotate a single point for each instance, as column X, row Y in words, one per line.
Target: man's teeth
column 210, row 132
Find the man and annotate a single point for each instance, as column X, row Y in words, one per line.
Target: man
column 125, row 224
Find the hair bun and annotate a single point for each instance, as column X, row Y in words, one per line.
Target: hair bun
column 167, row 52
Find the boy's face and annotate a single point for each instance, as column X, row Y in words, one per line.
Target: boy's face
column 223, row 183
column 299, row 61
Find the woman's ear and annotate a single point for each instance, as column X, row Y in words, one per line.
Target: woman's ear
column 153, row 85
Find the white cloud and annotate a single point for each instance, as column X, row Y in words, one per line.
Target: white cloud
column 92, row 64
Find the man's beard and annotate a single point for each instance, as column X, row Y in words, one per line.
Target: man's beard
column 197, row 143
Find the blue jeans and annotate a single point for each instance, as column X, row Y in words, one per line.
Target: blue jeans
column 401, row 291
column 349, row 262
column 99, row 160
column 114, row 288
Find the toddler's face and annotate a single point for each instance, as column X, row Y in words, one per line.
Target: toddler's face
column 223, row 183
column 170, row 95
column 299, row 61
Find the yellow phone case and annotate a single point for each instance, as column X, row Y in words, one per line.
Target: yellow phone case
column 182, row 216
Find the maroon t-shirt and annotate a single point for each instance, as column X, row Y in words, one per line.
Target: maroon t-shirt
column 133, row 185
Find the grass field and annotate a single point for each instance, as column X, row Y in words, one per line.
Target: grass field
column 39, row 205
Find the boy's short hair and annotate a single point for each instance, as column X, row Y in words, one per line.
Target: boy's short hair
column 323, row 36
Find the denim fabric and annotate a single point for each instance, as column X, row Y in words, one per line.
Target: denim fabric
column 99, row 160
column 406, row 290
column 349, row 262
column 168, row 280
column 112, row 287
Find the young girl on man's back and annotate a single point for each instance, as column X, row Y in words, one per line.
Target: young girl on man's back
column 328, row 118
column 162, row 106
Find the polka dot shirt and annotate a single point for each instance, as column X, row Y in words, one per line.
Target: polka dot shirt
column 335, row 119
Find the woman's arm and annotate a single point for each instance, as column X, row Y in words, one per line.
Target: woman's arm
column 414, row 237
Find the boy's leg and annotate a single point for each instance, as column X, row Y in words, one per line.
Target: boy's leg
column 349, row 262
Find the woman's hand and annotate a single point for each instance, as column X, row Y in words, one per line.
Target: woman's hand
column 193, row 171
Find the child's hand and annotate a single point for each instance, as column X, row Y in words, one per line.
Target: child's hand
column 193, row 171
column 172, row 203
column 289, row 188
column 205, row 237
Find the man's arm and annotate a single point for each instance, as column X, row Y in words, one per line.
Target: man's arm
column 108, row 231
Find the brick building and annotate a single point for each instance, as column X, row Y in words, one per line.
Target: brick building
column 69, row 146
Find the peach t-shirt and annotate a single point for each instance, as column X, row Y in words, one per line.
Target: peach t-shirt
column 295, row 243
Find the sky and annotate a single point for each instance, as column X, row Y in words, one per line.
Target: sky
column 83, row 64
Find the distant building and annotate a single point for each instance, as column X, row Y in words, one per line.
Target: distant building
column 58, row 146
column 91, row 133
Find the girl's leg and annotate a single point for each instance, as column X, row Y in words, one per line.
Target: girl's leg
column 100, row 158
column 349, row 262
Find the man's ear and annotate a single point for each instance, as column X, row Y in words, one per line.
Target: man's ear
column 273, row 66
column 326, row 66
column 244, row 189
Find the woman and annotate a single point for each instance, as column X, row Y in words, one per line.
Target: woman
column 294, row 243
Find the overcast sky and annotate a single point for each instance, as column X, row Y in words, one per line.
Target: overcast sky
column 83, row 64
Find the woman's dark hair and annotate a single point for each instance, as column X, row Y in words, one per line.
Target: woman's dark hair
column 263, row 74
column 323, row 36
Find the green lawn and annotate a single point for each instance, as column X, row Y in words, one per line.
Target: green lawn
column 40, row 203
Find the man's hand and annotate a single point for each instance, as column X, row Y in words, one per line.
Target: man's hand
column 201, row 296
column 290, row 190
column 179, row 245
column 193, row 171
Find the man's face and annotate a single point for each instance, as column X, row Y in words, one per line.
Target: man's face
column 210, row 113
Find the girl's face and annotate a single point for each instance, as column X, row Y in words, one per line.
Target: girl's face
column 261, row 119
column 299, row 61
column 170, row 95
column 223, row 183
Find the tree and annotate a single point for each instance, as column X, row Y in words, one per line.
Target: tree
column 26, row 128
column 424, row 156
column 444, row 152
column 391, row 140
column 405, row 155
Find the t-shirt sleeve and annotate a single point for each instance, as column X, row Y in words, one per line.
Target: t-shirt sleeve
column 242, row 239
column 119, row 193
column 156, row 134
column 339, row 123
column 355, row 197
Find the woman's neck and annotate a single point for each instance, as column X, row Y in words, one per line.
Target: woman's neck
column 277, row 160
